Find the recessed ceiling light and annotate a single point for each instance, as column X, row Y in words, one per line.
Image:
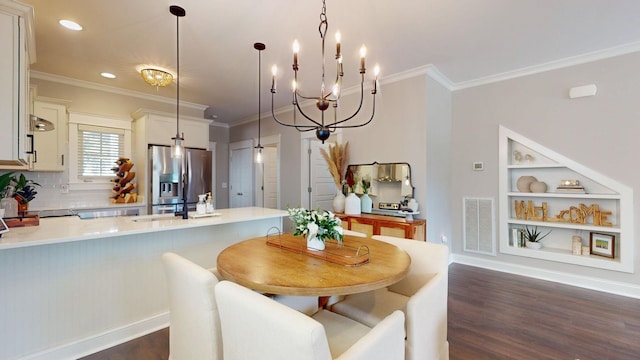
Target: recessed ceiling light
column 71, row 25
column 108, row 75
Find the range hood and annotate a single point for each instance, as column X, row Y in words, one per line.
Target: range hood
column 387, row 172
column 40, row 124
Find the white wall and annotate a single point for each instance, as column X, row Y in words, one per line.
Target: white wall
column 598, row 132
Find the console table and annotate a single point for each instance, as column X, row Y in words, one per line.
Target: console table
column 372, row 224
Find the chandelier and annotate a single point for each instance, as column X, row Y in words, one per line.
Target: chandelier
column 156, row 77
column 327, row 98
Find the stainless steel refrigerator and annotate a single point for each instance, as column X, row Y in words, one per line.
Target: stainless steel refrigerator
column 166, row 183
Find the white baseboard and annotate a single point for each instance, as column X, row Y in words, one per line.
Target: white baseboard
column 612, row 287
column 105, row 340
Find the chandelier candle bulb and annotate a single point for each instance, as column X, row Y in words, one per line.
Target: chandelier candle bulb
column 338, row 45
column 296, row 48
column 274, row 72
column 363, row 53
column 376, row 71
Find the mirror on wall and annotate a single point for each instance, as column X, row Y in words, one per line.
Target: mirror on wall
column 390, row 182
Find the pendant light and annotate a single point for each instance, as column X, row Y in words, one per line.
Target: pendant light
column 259, row 46
column 177, row 148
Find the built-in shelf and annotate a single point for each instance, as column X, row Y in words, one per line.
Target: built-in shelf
column 601, row 192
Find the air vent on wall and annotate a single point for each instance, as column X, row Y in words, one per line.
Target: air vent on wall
column 478, row 225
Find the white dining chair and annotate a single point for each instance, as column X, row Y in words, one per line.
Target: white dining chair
column 194, row 330
column 256, row 327
column 422, row 295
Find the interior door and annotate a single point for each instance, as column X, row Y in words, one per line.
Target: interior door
column 321, row 185
column 241, row 175
column 267, row 181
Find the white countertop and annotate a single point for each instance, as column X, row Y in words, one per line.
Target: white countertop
column 71, row 228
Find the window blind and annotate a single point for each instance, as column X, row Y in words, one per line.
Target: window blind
column 98, row 150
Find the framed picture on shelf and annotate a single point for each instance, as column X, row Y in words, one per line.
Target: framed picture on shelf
column 602, row 244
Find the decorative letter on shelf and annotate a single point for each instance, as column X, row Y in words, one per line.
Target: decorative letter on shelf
column 575, row 214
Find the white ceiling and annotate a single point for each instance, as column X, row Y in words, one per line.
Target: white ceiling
column 466, row 40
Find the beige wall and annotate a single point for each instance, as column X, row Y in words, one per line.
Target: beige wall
column 408, row 110
column 599, row 132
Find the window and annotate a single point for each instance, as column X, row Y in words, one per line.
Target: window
column 95, row 143
column 98, row 150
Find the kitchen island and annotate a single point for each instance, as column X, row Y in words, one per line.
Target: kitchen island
column 71, row 287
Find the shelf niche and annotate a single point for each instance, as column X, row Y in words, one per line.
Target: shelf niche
column 612, row 198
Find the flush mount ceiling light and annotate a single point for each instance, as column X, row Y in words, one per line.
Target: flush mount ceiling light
column 326, row 98
column 156, row 77
column 71, row 25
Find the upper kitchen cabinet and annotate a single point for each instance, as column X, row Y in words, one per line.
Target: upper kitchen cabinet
column 158, row 128
column 50, row 147
column 18, row 51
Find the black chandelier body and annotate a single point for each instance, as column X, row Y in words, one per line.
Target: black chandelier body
column 327, row 98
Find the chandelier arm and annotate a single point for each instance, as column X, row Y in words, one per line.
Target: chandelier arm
column 355, row 113
column 373, row 112
column 297, row 106
column 273, row 114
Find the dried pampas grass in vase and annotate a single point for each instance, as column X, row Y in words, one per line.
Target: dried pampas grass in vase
column 337, row 158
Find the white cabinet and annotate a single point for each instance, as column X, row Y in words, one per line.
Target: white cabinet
column 14, row 87
column 50, row 147
column 159, row 128
column 605, row 207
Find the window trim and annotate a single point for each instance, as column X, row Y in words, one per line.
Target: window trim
column 76, row 119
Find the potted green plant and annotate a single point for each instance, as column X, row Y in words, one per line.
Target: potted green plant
column 19, row 188
column 5, row 182
column 534, row 237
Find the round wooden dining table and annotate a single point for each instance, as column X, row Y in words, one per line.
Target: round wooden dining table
column 277, row 270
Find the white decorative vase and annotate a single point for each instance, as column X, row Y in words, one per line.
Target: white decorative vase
column 10, row 206
column 313, row 242
column 366, row 204
column 352, row 205
column 534, row 245
column 338, row 202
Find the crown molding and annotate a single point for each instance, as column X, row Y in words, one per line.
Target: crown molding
column 552, row 65
column 111, row 89
column 142, row 111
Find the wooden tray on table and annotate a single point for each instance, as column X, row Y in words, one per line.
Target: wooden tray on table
column 334, row 252
column 26, row 220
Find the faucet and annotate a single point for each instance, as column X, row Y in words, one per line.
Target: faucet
column 185, row 191
column 185, row 187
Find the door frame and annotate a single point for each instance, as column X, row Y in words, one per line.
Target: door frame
column 266, row 141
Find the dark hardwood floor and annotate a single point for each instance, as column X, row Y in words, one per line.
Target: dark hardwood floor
column 493, row 315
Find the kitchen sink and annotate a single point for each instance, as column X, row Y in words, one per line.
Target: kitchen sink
column 156, row 217
column 95, row 214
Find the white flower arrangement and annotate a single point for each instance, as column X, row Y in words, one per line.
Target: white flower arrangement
column 328, row 225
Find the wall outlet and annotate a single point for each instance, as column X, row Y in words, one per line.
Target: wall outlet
column 64, row 188
column 444, row 239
